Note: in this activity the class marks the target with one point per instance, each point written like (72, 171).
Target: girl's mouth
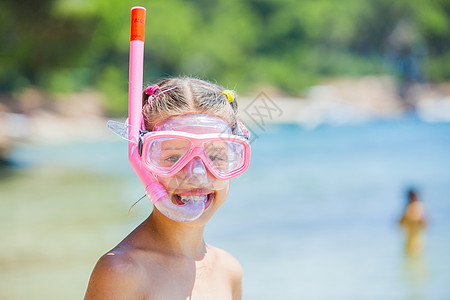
(183, 199)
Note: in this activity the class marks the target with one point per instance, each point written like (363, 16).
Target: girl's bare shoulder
(231, 266)
(123, 273)
(117, 275)
(225, 259)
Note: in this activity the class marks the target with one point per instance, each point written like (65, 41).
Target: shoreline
(81, 116)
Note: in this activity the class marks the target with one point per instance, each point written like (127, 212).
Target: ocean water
(315, 216)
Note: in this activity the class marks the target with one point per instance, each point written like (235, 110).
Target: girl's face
(194, 180)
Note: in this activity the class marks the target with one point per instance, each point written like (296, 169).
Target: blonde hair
(182, 95)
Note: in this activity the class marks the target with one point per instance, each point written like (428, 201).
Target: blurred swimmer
(413, 222)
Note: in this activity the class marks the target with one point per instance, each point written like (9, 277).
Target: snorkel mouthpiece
(189, 211)
(158, 195)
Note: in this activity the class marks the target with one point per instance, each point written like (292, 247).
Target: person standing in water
(413, 222)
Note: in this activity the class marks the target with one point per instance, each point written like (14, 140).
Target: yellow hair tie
(229, 94)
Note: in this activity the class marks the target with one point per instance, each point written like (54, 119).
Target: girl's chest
(195, 282)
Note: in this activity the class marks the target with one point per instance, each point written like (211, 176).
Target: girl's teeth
(186, 199)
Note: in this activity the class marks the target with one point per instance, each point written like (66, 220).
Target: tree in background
(67, 45)
(36, 44)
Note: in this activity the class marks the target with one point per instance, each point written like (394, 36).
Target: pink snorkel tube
(155, 191)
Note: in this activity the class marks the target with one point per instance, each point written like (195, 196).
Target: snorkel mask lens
(223, 155)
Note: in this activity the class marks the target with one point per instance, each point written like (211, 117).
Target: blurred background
(349, 106)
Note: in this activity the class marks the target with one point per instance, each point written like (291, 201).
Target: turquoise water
(315, 217)
(317, 212)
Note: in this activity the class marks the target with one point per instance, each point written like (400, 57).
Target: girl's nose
(196, 168)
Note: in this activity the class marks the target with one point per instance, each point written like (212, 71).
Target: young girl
(191, 143)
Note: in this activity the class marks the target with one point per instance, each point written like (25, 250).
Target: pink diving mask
(174, 142)
(185, 159)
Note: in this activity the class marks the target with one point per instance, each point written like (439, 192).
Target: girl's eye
(218, 158)
(173, 158)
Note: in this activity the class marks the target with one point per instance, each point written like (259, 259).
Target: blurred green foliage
(68, 45)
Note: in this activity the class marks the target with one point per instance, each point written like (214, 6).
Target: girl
(190, 144)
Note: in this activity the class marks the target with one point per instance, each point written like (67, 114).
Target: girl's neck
(176, 238)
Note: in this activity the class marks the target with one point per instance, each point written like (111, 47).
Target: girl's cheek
(223, 194)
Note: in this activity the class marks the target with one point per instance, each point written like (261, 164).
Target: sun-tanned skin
(164, 259)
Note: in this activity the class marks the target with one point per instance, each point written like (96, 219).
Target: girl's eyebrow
(174, 148)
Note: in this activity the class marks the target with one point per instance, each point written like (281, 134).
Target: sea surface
(315, 216)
